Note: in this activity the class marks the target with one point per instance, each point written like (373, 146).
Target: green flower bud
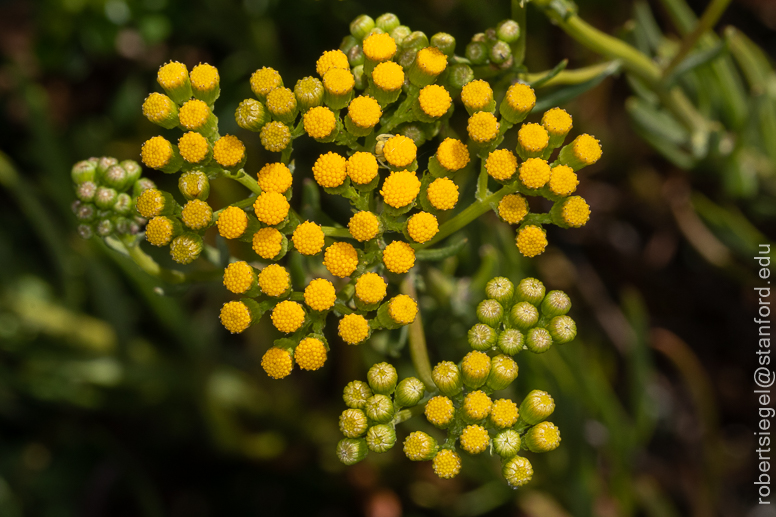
(124, 204)
(103, 164)
(352, 423)
(409, 392)
(355, 56)
(500, 289)
(562, 329)
(379, 408)
(116, 177)
(444, 42)
(538, 340)
(356, 394)
(482, 337)
(252, 115)
(387, 22)
(477, 53)
(105, 198)
(83, 171)
(419, 446)
(361, 26)
(475, 368)
(543, 437)
(457, 76)
(380, 438)
(447, 378)
(507, 443)
(536, 407)
(414, 132)
(194, 185)
(503, 371)
(141, 186)
(405, 57)
(84, 212)
(124, 226)
(348, 42)
(511, 341)
(415, 41)
(359, 77)
(86, 191)
(104, 228)
(85, 231)
(186, 248)
(530, 290)
(524, 315)
(133, 169)
(556, 303)
(400, 33)
(508, 31)
(382, 378)
(517, 471)
(351, 450)
(309, 93)
(490, 312)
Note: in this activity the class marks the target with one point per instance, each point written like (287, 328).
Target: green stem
(150, 266)
(399, 115)
(330, 231)
(285, 156)
(243, 203)
(243, 179)
(482, 183)
(709, 18)
(578, 76)
(518, 14)
(417, 339)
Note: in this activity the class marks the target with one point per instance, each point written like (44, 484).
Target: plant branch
(709, 18)
(417, 338)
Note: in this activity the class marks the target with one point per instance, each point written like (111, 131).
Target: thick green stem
(710, 17)
(150, 266)
(330, 231)
(243, 179)
(417, 339)
(578, 76)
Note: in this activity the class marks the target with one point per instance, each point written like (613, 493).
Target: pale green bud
(380, 438)
(542, 437)
(82, 171)
(556, 303)
(507, 443)
(387, 22)
(490, 312)
(400, 33)
(379, 408)
(251, 115)
(361, 26)
(503, 370)
(352, 423)
(409, 392)
(116, 177)
(415, 41)
(351, 450)
(508, 31)
(562, 329)
(444, 42)
(124, 204)
(538, 340)
(105, 198)
(500, 53)
(477, 53)
(500, 289)
(104, 228)
(530, 290)
(356, 394)
(86, 191)
(194, 185)
(482, 336)
(517, 471)
(511, 341)
(382, 378)
(524, 315)
(536, 407)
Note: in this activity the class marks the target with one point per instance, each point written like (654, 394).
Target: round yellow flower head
(364, 111)
(330, 170)
(477, 405)
(331, 59)
(400, 188)
(422, 227)
(587, 149)
(398, 257)
(277, 362)
(476, 95)
(388, 76)
(150, 203)
(447, 464)
(157, 107)
(362, 168)
(353, 423)
(271, 208)
(520, 97)
(341, 259)
(228, 151)
(274, 280)
(434, 100)
(156, 152)
(194, 114)
(371, 288)
(575, 211)
(400, 151)
(534, 173)
(193, 147)
(320, 294)
(439, 411)
(531, 241)
(402, 309)
(379, 47)
(443, 194)
(338, 81)
(482, 127)
(363, 226)
(310, 354)
(513, 208)
(238, 277)
(287, 316)
(353, 329)
(563, 180)
(172, 75)
(184, 249)
(452, 154)
(204, 77)
(267, 243)
(533, 137)
(159, 231)
(556, 121)
(235, 317)
(275, 136)
(319, 122)
(431, 60)
(517, 471)
(474, 439)
(197, 214)
(476, 365)
(419, 446)
(232, 222)
(264, 80)
(504, 413)
(281, 101)
(501, 164)
(308, 238)
(543, 437)
(274, 177)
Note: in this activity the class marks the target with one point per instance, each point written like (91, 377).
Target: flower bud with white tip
(382, 378)
(524, 315)
(352, 423)
(352, 450)
(356, 393)
(507, 443)
(490, 312)
(482, 337)
(562, 329)
(556, 303)
(503, 370)
(511, 341)
(536, 407)
(530, 290)
(517, 471)
(409, 392)
(379, 408)
(380, 438)
(538, 340)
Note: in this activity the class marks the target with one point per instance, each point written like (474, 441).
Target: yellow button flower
(476, 405)
(422, 227)
(172, 75)
(371, 288)
(364, 111)
(204, 77)
(275, 136)
(156, 152)
(238, 277)
(476, 95)
(482, 127)
(235, 317)
(400, 188)
(587, 149)
(267, 243)
(520, 97)
(575, 211)
(331, 59)
(193, 147)
(501, 164)
(310, 354)
(197, 214)
(474, 439)
(363, 226)
(563, 180)
(531, 241)
(158, 108)
(443, 194)
(434, 100)
(308, 238)
(504, 413)
(341, 259)
(159, 231)
(320, 294)
(228, 151)
(557, 121)
(439, 411)
(330, 170)
(274, 280)
(533, 138)
(319, 122)
(353, 329)
(513, 208)
(194, 114)
(388, 76)
(281, 101)
(402, 309)
(379, 47)
(534, 173)
(338, 81)
(264, 80)
(431, 60)
(232, 222)
(274, 177)
(447, 464)
(271, 208)
(400, 151)
(452, 154)
(287, 316)
(398, 257)
(150, 203)
(362, 168)
(277, 362)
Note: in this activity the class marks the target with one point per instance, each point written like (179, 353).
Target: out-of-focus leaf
(695, 60)
(566, 93)
(646, 25)
(538, 83)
